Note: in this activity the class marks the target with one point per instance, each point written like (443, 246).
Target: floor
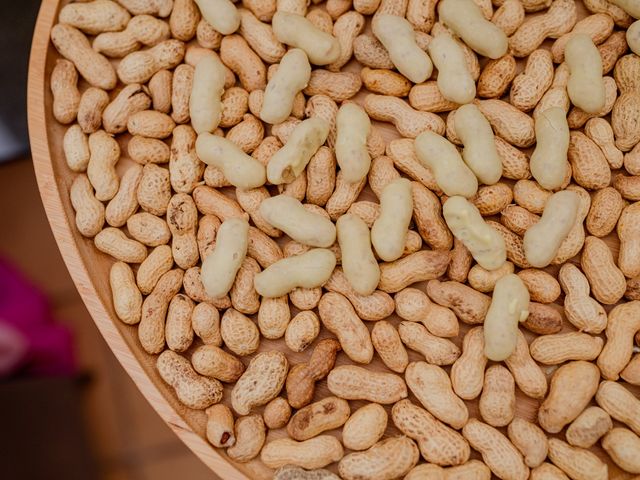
(129, 439)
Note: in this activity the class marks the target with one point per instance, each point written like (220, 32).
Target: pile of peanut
(222, 158)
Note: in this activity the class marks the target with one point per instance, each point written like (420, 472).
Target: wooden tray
(89, 269)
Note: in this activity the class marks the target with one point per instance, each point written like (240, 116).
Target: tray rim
(61, 228)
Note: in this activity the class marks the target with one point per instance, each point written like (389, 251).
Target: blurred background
(67, 408)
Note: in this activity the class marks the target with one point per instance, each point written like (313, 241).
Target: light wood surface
(89, 269)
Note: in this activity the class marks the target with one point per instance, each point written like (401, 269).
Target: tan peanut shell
(497, 451)
(250, 437)
(530, 440)
(219, 430)
(301, 380)
(390, 458)
(318, 417)
(526, 372)
(310, 454)
(261, 382)
(127, 299)
(589, 427)
(576, 462)
(497, 403)
(432, 387)
(436, 350)
(277, 413)
(388, 345)
(356, 383)
(212, 361)
(364, 427)
(578, 377)
(438, 443)
(193, 390)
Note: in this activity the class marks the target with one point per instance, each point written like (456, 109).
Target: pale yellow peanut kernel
(358, 262)
(301, 224)
(441, 157)
(398, 38)
(220, 14)
(455, 81)
(220, 267)
(542, 240)
(389, 231)
(485, 244)
(298, 32)
(629, 6)
(549, 160)
(304, 141)
(466, 19)
(479, 153)
(509, 307)
(205, 106)
(585, 87)
(352, 129)
(285, 275)
(292, 76)
(240, 169)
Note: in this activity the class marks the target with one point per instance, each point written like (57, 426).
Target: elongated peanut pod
(296, 31)
(292, 76)
(480, 153)
(358, 263)
(542, 240)
(455, 81)
(586, 85)
(222, 15)
(630, 6)
(509, 307)
(465, 18)
(352, 130)
(389, 231)
(302, 225)
(442, 158)
(205, 104)
(314, 453)
(308, 270)
(305, 140)
(485, 244)
(220, 267)
(242, 170)
(398, 37)
(549, 160)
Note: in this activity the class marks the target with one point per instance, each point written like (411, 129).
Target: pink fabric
(31, 343)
